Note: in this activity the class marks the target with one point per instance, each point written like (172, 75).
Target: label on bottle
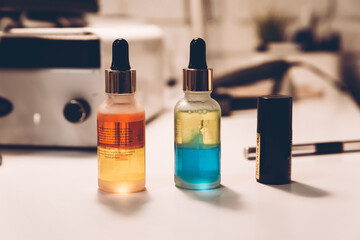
(120, 154)
(189, 126)
(258, 156)
(207, 127)
(121, 164)
(178, 130)
(124, 135)
(121, 151)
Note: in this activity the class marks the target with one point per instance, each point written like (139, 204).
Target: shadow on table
(222, 197)
(302, 190)
(125, 204)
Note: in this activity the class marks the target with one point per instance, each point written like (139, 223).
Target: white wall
(230, 23)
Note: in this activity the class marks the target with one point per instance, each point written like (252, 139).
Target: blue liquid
(197, 168)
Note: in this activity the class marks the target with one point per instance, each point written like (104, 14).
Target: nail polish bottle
(197, 126)
(121, 128)
(274, 139)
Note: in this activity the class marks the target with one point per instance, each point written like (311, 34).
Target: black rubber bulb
(120, 55)
(197, 54)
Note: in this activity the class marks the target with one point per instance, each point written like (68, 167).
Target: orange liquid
(121, 152)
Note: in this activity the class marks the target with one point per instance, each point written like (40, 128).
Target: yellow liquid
(121, 170)
(189, 125)
(121, 152)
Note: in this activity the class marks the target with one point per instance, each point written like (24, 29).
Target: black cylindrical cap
(197, 54)
(120, 55)
(274, 127)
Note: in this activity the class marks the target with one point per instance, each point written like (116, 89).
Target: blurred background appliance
(244, 42)
(52, 79)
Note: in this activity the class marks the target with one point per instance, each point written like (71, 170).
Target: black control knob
(5, 107)
(76, 110)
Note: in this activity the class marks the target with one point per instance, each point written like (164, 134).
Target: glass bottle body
(197, 141)
(121, 144)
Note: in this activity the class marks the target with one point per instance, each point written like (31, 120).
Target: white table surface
(53, 194)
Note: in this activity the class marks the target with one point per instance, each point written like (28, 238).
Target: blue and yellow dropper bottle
(197, 126)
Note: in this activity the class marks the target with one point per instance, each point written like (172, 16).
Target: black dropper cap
(120, 55)
(197, 54)
(120, 78)
(197, 77)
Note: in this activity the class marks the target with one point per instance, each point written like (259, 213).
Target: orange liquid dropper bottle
(121, 128)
